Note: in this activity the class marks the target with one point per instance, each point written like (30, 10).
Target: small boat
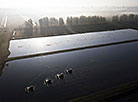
(59, 76)
(30, 88)
(48, 82)
(68, 71)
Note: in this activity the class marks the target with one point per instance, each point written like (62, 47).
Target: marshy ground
(4, 45)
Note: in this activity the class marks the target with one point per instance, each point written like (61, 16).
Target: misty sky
(36, 9)
(64, 3)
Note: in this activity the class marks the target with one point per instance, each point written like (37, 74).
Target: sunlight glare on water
(48, 44)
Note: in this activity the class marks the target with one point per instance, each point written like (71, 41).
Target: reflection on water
(48, 44)
(93, 70)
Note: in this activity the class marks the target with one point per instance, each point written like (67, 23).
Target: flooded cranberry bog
(94, 68)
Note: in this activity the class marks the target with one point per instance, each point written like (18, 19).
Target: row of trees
(70, 21)
(45, 22)
(85, 20)
(30, 27)
(131, 18)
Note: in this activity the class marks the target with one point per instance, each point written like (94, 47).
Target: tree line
(53, 25)
(131, 18)
(45, 22)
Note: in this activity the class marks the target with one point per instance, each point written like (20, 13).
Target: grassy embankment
(4, 46)
(112, 94)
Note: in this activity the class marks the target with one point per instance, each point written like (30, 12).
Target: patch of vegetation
(4, 48)
(4, 45)
(2, 38)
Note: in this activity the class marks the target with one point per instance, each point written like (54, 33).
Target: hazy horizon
(64, 8)
(52, 4)
(19, 10)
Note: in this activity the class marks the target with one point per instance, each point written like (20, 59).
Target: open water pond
(93, 69)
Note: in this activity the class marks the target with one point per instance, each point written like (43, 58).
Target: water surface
(93, 70)
(48, 44)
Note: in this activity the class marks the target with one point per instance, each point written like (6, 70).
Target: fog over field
(17, 16)
(36, 9)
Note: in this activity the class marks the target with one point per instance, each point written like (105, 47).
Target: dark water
(93, 70)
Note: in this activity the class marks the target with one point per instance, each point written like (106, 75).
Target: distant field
(2, 38)
(4, 45)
